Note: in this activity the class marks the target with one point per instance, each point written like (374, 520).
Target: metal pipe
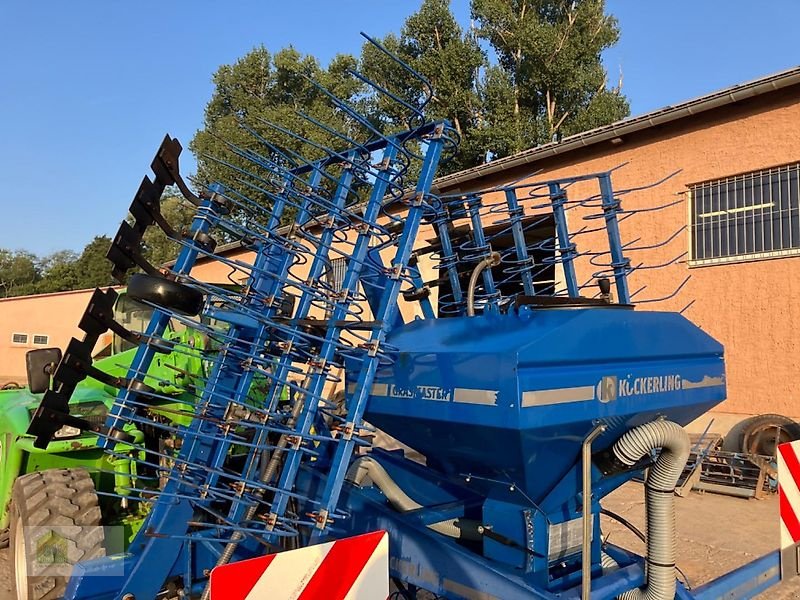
(565, 247)
(586, 544)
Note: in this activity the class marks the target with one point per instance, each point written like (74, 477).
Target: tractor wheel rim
(765, 440)
(21, 562)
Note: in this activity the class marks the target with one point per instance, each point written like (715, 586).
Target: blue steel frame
(422, 559)
(175, 543)
(165, 548)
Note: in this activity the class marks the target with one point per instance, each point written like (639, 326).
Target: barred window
(19, 338)
(40, 339)
(754, 215)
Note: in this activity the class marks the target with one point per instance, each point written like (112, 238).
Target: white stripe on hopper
(475, 396)
(558, 396)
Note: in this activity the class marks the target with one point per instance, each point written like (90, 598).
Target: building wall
(54, 315)
(749, 306)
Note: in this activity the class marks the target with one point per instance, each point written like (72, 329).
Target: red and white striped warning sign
(355, 568)
(789, 493)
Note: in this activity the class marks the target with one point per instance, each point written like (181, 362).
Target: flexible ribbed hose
(490, 261)
(659, 501)
(608, 563)
(368, 468)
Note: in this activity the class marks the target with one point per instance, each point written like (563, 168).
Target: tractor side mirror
(41, 364)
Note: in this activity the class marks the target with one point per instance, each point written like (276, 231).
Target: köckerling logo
(649, 385)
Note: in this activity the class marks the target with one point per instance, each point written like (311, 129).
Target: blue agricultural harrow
(519, 372)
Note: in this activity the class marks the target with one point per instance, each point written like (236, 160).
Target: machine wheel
(55, 523)
(167, 293)
(762, 434)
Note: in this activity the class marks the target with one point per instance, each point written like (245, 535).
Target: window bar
(791, 242)
(693, 222)
(761, 205)
(721, 213)
(735, 224)
(733, 243)
(705, 223)
(751, 214)
(780, 212)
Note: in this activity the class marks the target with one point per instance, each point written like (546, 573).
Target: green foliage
(554, 82)
(527, 73)
(92, 266)
(65, 270)
(435, 45)
(19, 273)
(22, 273)
(59, 272)
(258, 92)
(158, 248)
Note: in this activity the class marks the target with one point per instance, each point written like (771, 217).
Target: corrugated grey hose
(490, 261)
(659, 499)
(365, 468)
(608, 563)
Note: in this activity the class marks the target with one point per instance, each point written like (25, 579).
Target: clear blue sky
(88, 88)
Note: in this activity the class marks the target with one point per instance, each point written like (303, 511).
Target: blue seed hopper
(510, 397)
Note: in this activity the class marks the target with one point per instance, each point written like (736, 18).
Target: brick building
(40, 321)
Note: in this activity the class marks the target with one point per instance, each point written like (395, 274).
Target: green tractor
(83, 498)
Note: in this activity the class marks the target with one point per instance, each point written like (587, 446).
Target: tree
(59, 273)
(93, 268)
(551, 80)
(19, 273)
(262, 93)
(543, 79)
(65, 270)
(434, 44)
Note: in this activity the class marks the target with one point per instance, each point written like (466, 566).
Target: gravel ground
(5, 576)
(715, 534)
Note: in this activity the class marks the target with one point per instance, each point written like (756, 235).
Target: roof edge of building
(62, 293)
(729, 95)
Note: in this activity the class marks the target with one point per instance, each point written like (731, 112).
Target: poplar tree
(433, 43)
(550, 80)
(261, 91)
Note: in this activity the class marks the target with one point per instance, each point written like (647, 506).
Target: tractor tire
(164, 292)
(55, 523)
(759, 434)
